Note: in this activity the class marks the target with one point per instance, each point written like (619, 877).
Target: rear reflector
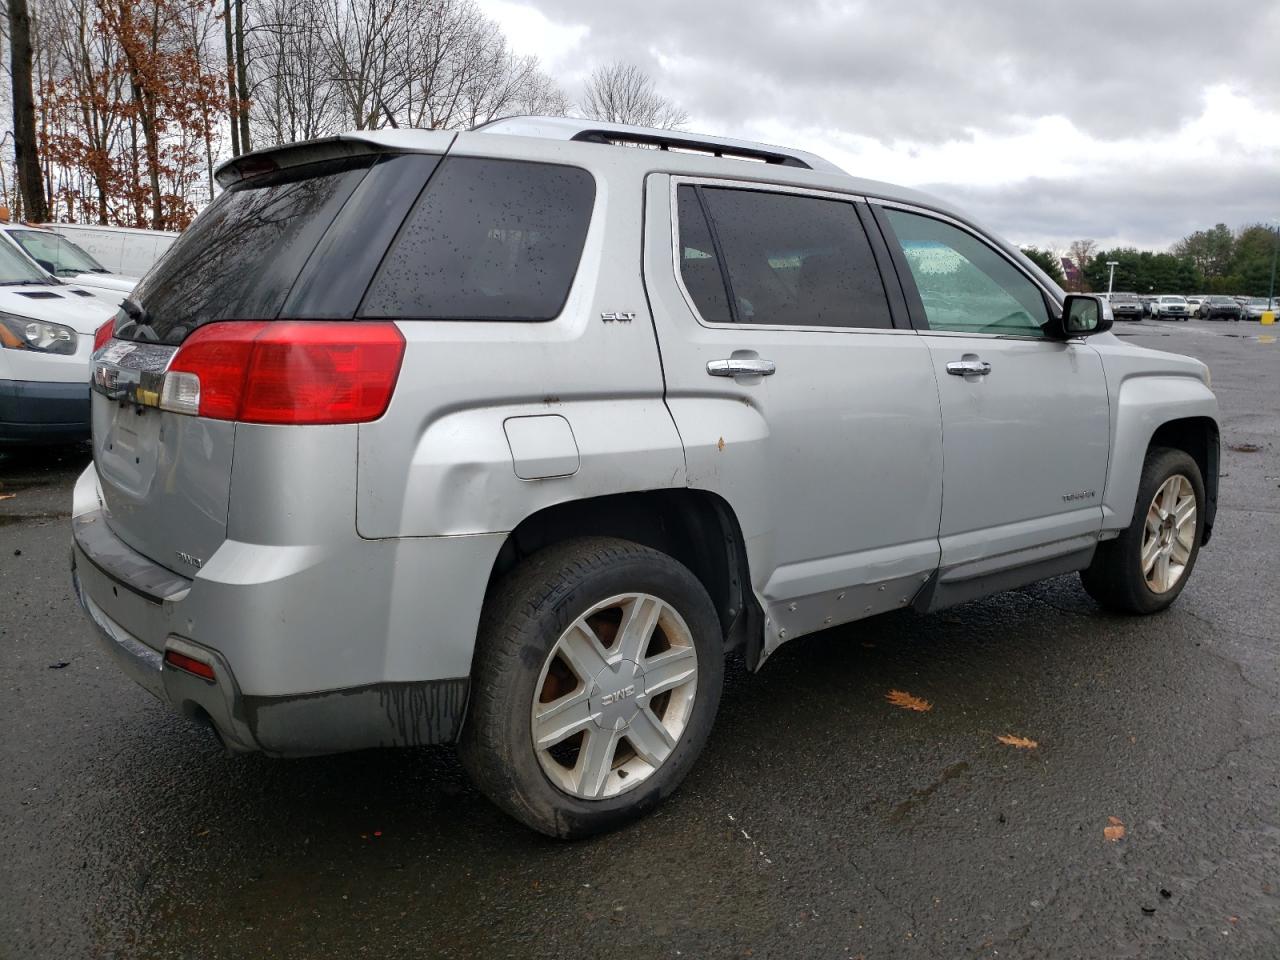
(190, 665)
(103, 334)
(290, 372)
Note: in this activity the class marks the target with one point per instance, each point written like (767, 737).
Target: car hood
(104, 281)
(83, 314)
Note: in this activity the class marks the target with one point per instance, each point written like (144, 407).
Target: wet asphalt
(821, 821)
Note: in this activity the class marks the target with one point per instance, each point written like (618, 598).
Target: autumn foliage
(129, 112)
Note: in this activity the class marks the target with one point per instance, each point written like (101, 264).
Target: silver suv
(508, 437)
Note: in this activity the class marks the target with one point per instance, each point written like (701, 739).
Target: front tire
(596, 680)
(1145, 569)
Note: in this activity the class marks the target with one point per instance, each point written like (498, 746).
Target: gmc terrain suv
(507, 437)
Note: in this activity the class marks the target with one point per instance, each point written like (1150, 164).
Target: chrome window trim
(996, 248)
(755, 186)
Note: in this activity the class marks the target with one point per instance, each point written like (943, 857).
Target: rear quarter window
(487, 240)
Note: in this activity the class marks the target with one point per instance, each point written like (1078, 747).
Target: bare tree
(294, 96)
(1081, 251)
(623, 93)
(25, 148)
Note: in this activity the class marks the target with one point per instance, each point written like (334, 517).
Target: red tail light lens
(180, 661)
(290, 372)
(103, 334)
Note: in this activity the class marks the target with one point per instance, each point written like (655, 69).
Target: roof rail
(592, 131)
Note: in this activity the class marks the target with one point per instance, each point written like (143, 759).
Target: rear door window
(487, 240)
(791, 259)
(699, 264)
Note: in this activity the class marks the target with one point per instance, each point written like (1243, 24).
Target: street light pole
(1111, 278)
(1275, 249)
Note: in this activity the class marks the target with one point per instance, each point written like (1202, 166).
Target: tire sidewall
(544, 804)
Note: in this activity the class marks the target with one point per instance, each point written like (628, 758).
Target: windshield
(56, 254)
(1172, 300)
(16, 269)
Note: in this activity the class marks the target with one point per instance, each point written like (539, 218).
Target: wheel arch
(1198, 437)
(1160, 400)
(696, 527)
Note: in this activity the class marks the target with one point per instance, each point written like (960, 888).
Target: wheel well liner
(1197, 436)
(695, 527)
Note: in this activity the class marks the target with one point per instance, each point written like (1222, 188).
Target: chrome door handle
(967, 368)
(738, 367)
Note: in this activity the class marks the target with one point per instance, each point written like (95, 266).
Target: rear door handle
(741, 366)
(968, 368)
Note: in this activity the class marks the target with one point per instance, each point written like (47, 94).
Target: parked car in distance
(46, 336)
(1148, 303)
(59, 256)
(1127, 306)
(1169, 307)
(1254, 307)
(1193, 303)
(333, 504)
(121, 250)
(1219, 308)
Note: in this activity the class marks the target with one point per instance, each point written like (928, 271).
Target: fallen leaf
(1022, 743)
(900, 698)
(7, 496)
(720, 444)
(1115, 830)
(59, 664)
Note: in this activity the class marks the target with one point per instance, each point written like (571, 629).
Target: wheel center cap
(616, 694)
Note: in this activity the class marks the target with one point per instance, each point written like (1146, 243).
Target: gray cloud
(1147, 211)
(915, 73)
(928, 70)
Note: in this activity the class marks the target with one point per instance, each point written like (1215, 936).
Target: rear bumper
(290, 725)
(282, 685)
(39, 412)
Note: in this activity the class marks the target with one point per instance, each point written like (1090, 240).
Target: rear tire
(1124, 577)
(595, 636)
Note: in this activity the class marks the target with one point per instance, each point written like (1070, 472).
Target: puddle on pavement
(918, 797)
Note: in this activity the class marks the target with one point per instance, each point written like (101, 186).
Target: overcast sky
(1128, 121)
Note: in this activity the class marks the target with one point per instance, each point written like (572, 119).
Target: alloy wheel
(1169, 534)
(614, 696)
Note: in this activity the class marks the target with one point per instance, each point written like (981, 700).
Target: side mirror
(1083, 315)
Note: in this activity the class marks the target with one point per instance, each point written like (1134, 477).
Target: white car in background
(47, 331)
(65, 260)
(1168, 307)
(122, 250)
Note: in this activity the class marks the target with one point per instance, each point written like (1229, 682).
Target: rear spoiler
(354, 144)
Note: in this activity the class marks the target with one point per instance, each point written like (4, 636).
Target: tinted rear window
(240, 258)
(487, 240)
(796, 260)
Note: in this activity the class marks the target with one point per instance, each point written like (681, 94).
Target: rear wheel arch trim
(697, 527)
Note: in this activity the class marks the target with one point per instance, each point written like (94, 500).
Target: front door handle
(968, 367)
(741, 366)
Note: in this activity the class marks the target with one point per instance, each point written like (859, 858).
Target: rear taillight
(103, 334)
(180, 661)
(294, 372)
